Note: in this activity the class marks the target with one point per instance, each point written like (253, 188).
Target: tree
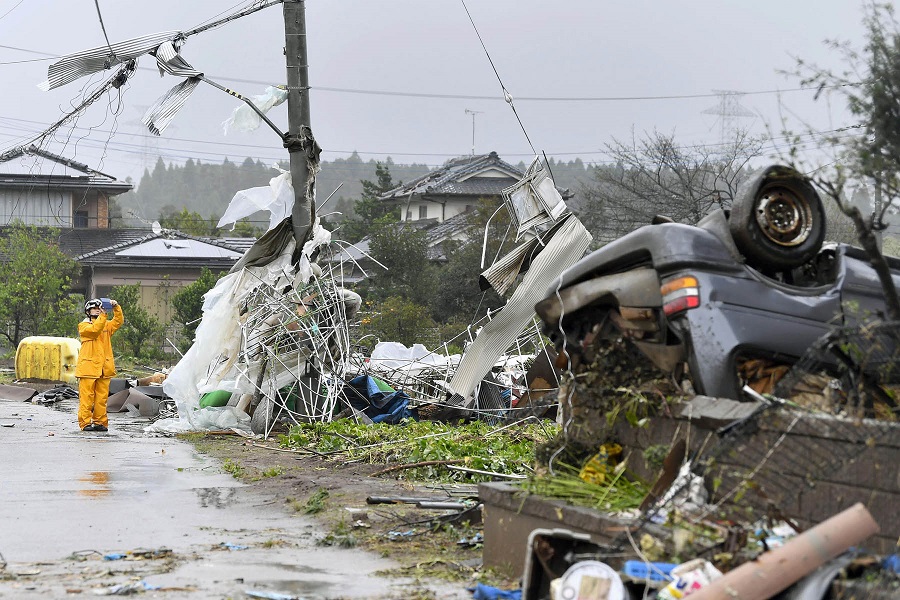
(369, 209)
(655, 176)
(403, 250)
(142, 335)
(459, 297)
(188, 304)
(397, 319)
(869, 83)
(35, 280)
(190, 223)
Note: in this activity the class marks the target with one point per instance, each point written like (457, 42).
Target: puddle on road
(308, 576)
(100, 481)
(216, 497)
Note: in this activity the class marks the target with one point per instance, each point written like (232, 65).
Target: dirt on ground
(358, 506)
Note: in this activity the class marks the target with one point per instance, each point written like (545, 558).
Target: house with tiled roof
(453, 189)
(442, 203)
(40, 188)
(160, 262)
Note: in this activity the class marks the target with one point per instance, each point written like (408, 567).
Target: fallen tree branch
(426, 463)
(297, 451)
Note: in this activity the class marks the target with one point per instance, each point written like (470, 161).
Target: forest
(204, 190)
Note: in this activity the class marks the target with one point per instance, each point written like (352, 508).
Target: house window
(81, 218)
(423, 211)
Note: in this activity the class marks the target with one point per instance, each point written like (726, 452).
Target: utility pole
(299, 141)
(473, 113)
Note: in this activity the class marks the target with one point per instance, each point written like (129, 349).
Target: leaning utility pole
(299, 140)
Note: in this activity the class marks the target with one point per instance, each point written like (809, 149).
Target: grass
(341, 536)
(236, 469)
(475, 445)
(616, 494)
(316, 503)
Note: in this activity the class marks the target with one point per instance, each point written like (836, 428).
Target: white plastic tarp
(394, 357)
(277, 198)
(245, 119)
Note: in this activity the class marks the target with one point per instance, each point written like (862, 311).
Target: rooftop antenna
(473, 113)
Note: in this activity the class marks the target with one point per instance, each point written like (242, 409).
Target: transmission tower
(728, 110)
(150, 152)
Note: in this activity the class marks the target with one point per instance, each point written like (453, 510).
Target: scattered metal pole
(299, 140)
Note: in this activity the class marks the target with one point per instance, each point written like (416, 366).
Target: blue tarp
(380, 403)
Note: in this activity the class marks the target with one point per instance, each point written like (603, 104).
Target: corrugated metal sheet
(502, 274)
(566, 246)
(169, 61)
(158, 116)
(36, 207)
(73, 66)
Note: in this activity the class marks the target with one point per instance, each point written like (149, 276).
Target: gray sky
(566, 49)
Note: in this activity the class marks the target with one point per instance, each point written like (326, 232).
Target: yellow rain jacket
(95, 359)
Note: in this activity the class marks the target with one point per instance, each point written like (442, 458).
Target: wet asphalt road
(64, 491)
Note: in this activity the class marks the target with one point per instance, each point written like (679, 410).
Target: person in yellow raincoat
(95, 363)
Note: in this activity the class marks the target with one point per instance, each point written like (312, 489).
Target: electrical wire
(12, 9)
(112, 55)
(437, 95)
(506, 95)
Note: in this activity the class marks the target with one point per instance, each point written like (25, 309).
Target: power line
(423, 154)
(407, 94)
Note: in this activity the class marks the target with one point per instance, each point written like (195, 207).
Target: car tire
(778, 221)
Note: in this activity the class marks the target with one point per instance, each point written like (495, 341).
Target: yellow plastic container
(47, 358)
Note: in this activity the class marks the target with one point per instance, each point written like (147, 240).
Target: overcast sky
(426, 48)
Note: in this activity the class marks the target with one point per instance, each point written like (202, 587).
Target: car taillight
(680, 294)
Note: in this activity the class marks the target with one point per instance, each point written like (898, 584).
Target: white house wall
(436, 210)
(36, 207)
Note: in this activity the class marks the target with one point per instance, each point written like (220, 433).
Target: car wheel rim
(784, 217)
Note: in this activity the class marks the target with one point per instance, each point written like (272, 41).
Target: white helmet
(94, 303)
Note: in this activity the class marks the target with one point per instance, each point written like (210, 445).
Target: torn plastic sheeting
(381, 403)
(245, 119)
(211, 359)
(77, 65)
(277, 199)
(211, 363)
(228, 418)
(566, 246)
(394, 357)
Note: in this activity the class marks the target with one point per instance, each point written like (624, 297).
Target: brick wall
(102, 211)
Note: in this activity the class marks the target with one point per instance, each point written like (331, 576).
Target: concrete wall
(787, 464)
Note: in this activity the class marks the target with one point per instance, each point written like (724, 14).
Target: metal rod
(249, 102)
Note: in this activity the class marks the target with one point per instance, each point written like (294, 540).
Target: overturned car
(756, 283)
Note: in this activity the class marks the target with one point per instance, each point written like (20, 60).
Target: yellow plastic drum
(47, 358)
